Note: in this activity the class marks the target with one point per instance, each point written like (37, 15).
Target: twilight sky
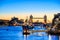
(23, 8)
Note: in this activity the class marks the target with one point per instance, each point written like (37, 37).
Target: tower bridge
(45, 18)
(37, 18)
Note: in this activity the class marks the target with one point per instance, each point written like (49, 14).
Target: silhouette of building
(55, 19)
(4, 22)
(45, 18)
(13, 21)
(21, 21)
(31, 19)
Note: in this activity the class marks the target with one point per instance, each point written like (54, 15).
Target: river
(15, 33)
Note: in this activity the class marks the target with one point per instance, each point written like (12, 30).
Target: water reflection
(53, 37)
(15, 33)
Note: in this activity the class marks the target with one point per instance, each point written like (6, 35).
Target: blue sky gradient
(11, 7)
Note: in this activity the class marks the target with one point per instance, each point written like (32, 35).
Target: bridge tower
(31, 19)
(45, 19)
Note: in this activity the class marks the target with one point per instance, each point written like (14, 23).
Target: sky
(23, 8)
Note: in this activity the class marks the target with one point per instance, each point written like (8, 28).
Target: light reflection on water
(15, 33)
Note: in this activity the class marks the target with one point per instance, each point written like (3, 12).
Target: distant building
(4, 22)
(21, 21)
(45, 18)
(55, 19)
(13, 20)
(31, 17)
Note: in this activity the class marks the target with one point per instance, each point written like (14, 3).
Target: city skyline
(23, 8)
(34, 20)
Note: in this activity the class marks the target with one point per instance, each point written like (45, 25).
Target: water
(15, 33)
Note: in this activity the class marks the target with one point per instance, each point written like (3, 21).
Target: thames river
(15, 33)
